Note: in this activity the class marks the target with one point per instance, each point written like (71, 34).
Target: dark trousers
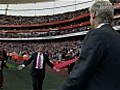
(37, 79)
(70, 67)
(1, 78)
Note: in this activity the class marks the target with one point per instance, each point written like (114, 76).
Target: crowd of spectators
(55, 50)
(18, 20)
(51, 33)
(116, 22)
(115, 1)
(21, 20)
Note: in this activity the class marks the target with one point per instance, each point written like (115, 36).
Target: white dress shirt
(39, 57)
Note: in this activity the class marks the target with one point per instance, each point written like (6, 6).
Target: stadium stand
(18, 29)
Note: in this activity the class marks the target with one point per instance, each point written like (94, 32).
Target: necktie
(38, 63)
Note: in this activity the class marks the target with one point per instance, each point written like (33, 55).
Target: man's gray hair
(103, 10)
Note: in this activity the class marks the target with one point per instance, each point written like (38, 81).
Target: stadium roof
(44, 8)
(33, 1)
(21, 1)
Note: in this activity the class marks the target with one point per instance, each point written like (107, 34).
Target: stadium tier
(49, 27)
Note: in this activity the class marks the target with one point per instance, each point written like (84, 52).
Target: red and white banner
(65, 63)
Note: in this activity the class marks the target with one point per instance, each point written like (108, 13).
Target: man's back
(107, 74)
(99, 64)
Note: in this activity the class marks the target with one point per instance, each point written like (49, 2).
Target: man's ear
(95, 14)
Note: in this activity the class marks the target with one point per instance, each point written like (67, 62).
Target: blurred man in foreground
(99, 64)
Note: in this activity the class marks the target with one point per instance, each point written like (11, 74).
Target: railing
(44, 38)
(50, 37)
(48, 30)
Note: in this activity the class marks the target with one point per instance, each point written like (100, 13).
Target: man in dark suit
(1, 68)
(3, 56)
(99, 65)
(38, 67)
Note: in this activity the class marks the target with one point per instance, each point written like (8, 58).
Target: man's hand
(20, 67)
(57, 70)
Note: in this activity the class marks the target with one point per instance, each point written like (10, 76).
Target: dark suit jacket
(99, 65)
(34, 58)
(3, 57)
